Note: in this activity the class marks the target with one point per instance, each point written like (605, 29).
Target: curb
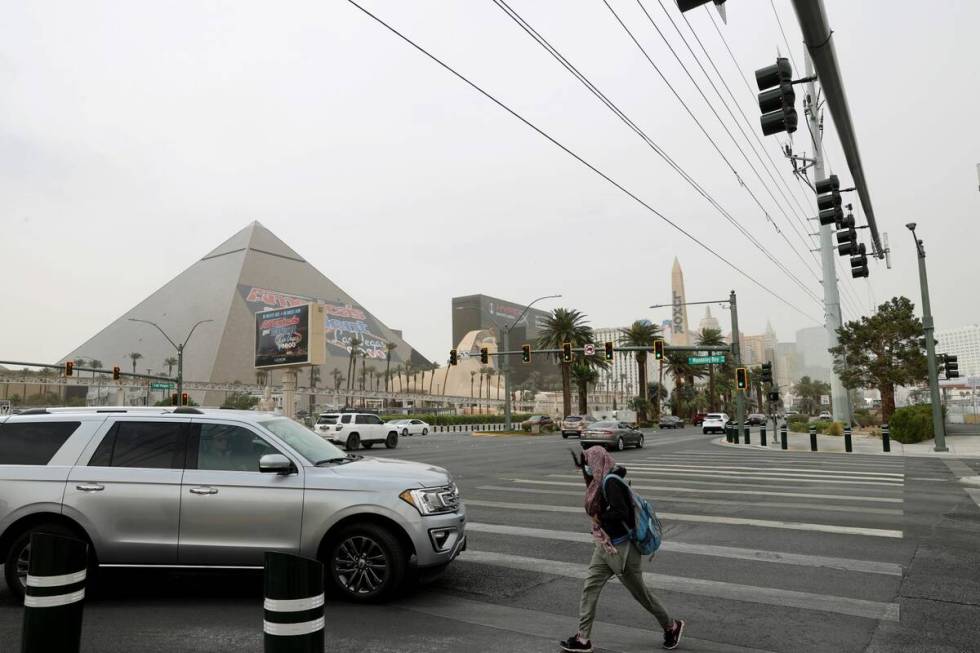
(893, 454)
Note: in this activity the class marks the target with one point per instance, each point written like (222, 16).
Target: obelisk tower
(681, 336)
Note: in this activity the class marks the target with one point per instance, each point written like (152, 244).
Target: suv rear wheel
(18, 557)
(367, 563)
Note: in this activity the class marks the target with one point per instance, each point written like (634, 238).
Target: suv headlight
(432, 500)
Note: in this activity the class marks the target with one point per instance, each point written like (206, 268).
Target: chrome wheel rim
(639, 442)
(23, 564)
(361, 565)
(619, 444)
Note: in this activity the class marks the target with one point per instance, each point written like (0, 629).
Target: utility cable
(581, 160)
(543, 42)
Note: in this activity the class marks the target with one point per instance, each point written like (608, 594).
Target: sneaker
(573, 644)
(672, 637)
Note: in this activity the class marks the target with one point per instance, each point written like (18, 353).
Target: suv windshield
(307, 443)
(327, 419)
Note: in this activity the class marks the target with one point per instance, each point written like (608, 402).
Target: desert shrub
(836, 428)
(912, 424)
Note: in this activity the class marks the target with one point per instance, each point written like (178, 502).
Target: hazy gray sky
(134, 137)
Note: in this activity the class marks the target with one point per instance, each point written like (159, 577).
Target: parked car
(541, 421)
(351, 430)
(714, 423)
(670, 422)
(612, 435)
(205, 488)
(698, 419)
(825, 415)
(410, 426)
(575, 424)
(755, 419)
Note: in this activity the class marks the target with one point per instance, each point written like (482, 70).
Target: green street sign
(717, 359)
(161, 386)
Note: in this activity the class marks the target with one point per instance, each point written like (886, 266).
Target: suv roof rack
(34, 411)
(188, 410)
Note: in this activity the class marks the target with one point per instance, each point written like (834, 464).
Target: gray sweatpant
(602, 567)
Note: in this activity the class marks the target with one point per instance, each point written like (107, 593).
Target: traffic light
(453, 357)
(829, 201)
(69, 368)
(566, 352)
(609, 351)
(774, 396)
(859, 263)
(115, 372)
(173, 399)
(526, 353)
(951, 367)
(777, 98)
(183, 399)
(847, 244)
(658, 349)
(484, 355)
(741, 378)
(847, 222)
(767, 373)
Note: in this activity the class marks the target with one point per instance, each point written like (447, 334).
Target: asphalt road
(764, 550)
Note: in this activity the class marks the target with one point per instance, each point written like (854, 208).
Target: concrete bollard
(886, 439)
(748, 432)
(813, 438)
(762, 435)
(293, 620)
(847, 440)
(783, 437)
(53, 598)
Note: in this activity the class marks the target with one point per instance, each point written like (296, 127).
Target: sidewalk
(960, 446)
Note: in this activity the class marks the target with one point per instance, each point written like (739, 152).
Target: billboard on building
(289, 336)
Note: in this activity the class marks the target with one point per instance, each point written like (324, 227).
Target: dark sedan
(612, 435)
(671, 422)
(756, 419)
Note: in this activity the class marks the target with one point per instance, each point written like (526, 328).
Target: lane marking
(666, 488)
(962, 471)
(764, 469)
(767, 505)
(700, 587)
(803, 476)
(737, 553)
(796, 457)
(710, 519)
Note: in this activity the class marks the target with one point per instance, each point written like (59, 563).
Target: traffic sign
(161, 386)
(714, 359)
(589, 349)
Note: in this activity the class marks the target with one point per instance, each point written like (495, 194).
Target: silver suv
(191, 487)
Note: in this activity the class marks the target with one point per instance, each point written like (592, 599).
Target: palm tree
(338, 378)
(355, 343)
(565, 325)
(170, 361)
(432, 375)
(491, 372)
(472, 378)
(641, 333)
(483, 371)
(711, 338)
(135, 356)
(683, 374)
(583, 375)
(389, 347)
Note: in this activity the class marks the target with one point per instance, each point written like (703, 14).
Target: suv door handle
(204, 490)
(90, 487)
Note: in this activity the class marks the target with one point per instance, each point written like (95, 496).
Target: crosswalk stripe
(818, 507)
(700, 587)
(774, 485)
(710, 519)
(767, 477)
(737, 553)
(834, 472)
(761, 472)
(794, 457)
(709, 491)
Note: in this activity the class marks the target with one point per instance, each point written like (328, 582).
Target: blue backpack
(648, 534)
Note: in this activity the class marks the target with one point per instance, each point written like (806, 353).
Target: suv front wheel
(367, 563)
(391, 441)
(353, 442)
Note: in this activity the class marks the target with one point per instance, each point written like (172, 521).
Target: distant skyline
(126, 154)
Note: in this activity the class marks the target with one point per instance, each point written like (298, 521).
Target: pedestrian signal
(609, 351)
(484, 355)
(526, 353)
(742, 378)
(566, 352)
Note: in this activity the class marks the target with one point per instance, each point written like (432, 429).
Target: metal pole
(831, 294)
(180, 374)
(737, 355)
(505, 369)
(927, 326)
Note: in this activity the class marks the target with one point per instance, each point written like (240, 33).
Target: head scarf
(601, 463)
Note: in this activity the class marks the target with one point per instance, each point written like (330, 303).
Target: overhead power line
(543, 42)
(581, 160)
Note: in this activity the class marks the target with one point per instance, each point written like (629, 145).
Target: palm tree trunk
(566, 389)
(711, 389)
(641, 363)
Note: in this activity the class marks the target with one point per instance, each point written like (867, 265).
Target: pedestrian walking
(610, 506)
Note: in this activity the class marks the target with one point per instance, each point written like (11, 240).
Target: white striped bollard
(54, 593)
(886, 442)
(293, 604)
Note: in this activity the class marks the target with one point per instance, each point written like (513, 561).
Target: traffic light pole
(938, 426)
(831, 295)
(737, 356)
(505, 368)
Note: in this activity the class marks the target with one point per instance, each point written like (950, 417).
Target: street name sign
(161, 386)
(714, 359)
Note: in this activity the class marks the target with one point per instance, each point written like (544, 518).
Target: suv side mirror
(275, 463)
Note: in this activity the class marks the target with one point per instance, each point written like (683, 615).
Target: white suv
(714, 422)
(351, 430)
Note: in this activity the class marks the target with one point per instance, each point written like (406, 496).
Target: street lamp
(938, 426)
(179, 348)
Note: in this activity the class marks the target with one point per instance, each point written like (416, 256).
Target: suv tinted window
(345, 419)
(227, 447)
(327, 419)
(158, 445)
(33, 443)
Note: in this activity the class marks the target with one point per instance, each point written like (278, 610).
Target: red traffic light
(69, 368)
(184, 399)
(115, 373)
